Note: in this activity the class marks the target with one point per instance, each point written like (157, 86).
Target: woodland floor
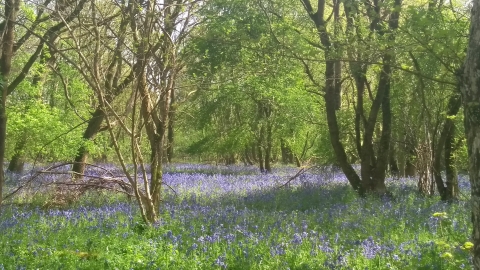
(236, 218)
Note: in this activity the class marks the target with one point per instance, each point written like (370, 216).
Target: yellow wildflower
(447, 255)
(440, 215)
(467, 246)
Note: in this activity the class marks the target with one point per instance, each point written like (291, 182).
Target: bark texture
(7, 43)
(471, 103)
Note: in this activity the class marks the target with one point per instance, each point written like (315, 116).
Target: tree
(373, 163)
(432, 41)
(10, 45)
(155, 31)
(471, 102)
(249, 98)
(7, 43)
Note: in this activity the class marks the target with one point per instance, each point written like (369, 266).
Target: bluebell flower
(297, 239)
(370, 248)
(220, 261)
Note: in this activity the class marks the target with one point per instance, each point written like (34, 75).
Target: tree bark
(471, 102)
(7, 43)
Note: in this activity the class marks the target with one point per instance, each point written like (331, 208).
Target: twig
(176, 194)
(300, 172)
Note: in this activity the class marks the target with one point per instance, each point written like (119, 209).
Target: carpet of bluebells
(236, 218)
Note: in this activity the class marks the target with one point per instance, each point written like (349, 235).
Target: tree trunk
(93, 127)
(384, 147)
(287, 153)
(260, 152)
(253, 150)
(3, 138)
(445, 143)
(372, 174)
(230, 159)
(471, 101)
(410, 156)
(392, 160)
(248, 161)
(170, 130)
(426, 180)
(284, 151)
(450, 169)
(7, 42)
(330, 105)
(410, 168)
(268, 147)
(17, 162)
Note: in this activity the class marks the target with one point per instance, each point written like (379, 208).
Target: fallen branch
(300, 172)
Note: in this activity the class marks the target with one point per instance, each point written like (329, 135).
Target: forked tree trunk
(471, 102)
(331, 91)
